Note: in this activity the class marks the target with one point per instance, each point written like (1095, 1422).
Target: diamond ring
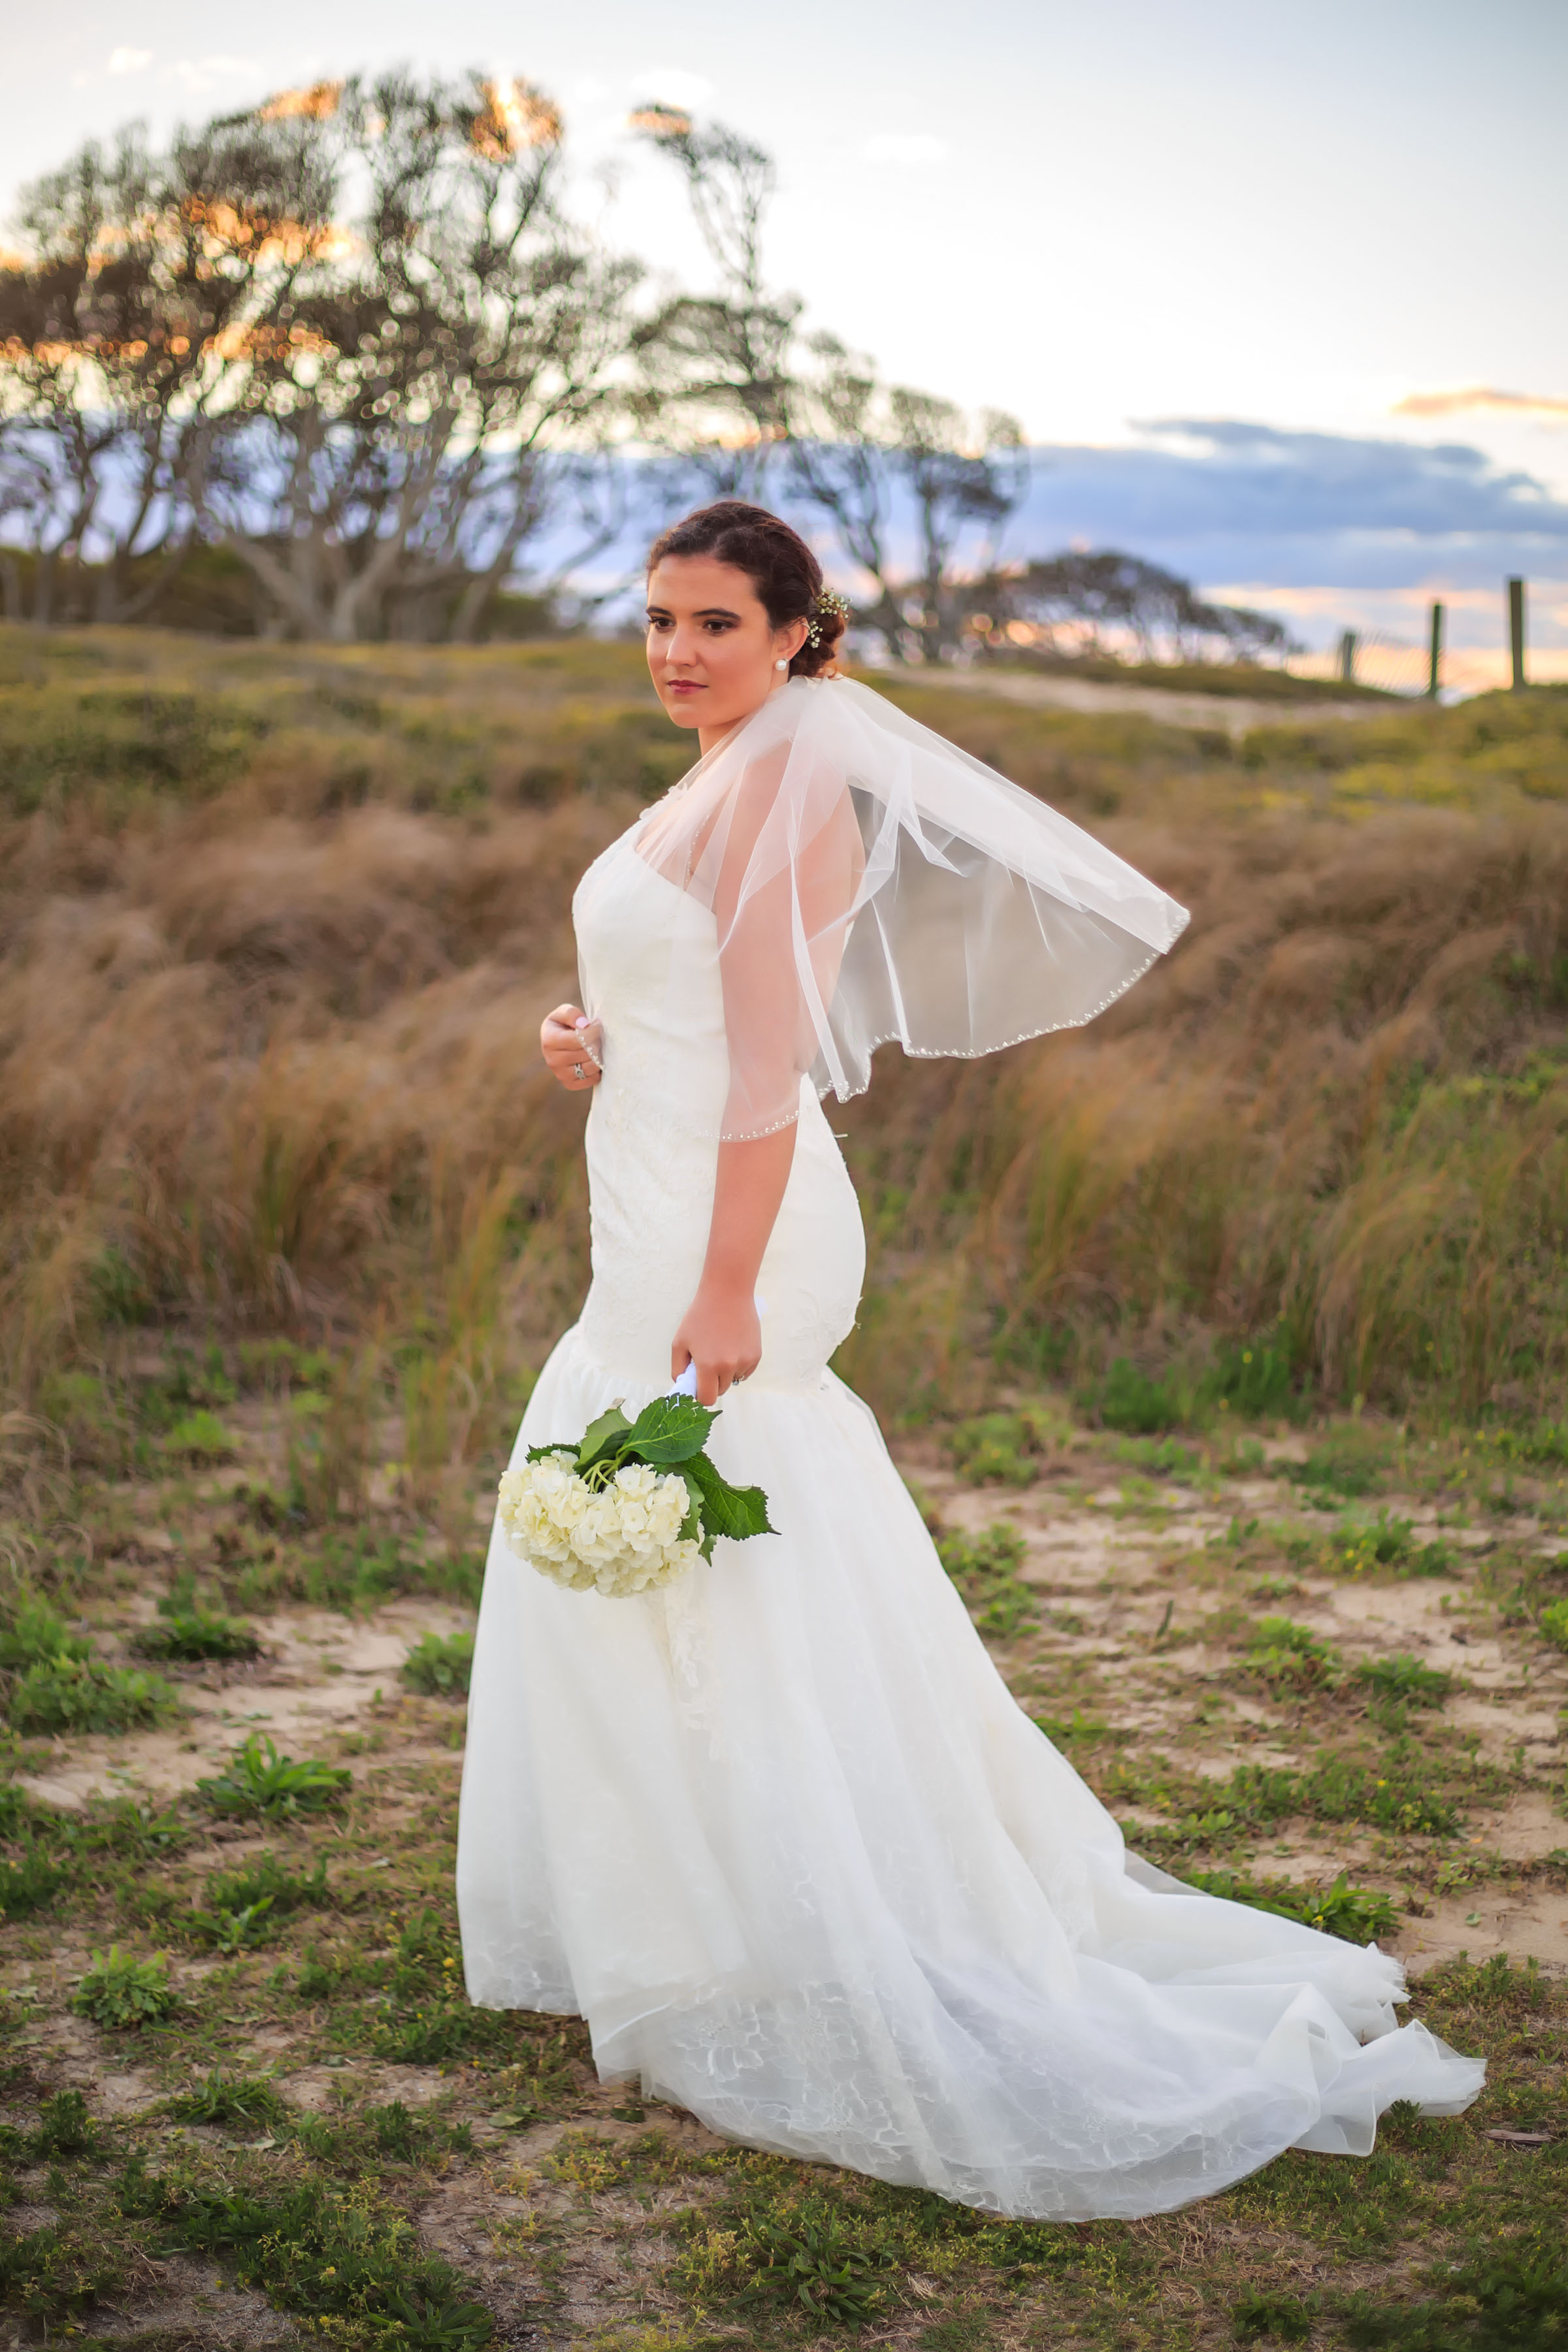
(578, 1071)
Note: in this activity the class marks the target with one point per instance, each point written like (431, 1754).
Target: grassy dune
(1224, 1343)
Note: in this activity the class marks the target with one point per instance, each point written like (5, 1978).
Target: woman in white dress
(777, 1831)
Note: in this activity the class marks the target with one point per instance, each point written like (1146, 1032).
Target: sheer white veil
(870, 881)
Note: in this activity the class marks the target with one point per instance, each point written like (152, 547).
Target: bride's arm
(719, 1332)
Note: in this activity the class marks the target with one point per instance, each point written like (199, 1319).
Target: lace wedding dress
(779, 1832)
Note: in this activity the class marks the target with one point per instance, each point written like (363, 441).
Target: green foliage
(336, 2261)
(1005, 1447)
(1256, 1376)
(1129, 1400)
(814, 2263)
(1349, 1461)
(985, 1569)
(1356, 1914)
(65, 2128)
(265, 1879)
(440, 1664)
(29, 1881)
(1287, 1655)
(121, 1991)
(230, 1930)
(70, 1693)
(1553, 1623)
(35, 1634)
(1404, 1678)
(1508, 2297)
(185, 1630)
(1265, 2313)
(221, 2098)
(259, 1781)
(669, 1436)
(201, 1437)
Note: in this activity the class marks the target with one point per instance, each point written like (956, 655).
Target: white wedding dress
(779, 1831)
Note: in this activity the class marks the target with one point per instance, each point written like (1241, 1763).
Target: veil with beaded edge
(871, 881)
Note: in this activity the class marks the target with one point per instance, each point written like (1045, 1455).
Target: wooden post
(1435, 658)
(1347, 656)
(1516, 630)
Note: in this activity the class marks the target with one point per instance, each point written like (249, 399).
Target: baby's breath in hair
(826, 605)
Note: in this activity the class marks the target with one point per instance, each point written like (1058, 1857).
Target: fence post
(1347, 656)
(1435, 658)
(1516, 630)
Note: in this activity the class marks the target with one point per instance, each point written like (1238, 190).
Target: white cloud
(904, 147)
(198, 74)
(669, 86)
(128, 61)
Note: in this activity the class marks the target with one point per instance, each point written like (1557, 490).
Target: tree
(351, 334)
(402, 424)
(716, 379)
(1101, 599)
(118, 329)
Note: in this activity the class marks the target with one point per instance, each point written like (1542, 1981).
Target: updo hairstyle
(777, 562)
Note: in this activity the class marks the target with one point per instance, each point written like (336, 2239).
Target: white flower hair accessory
(827, 604)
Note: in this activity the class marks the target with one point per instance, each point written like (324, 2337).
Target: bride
(777, 1830)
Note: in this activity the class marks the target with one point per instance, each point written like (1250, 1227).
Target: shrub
(119, 1990)
(440, 1664)
(1553, 1623)
(74, 1693)
(257, 1780)
(1006, 1447)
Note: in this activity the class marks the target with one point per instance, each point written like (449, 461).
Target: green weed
(35, 1634)
(259, 1781)
(65, 2128)
(200, 1437)
(1287, 1654)
(75, 1693)
(983, 1571)
(1129, 1400)
(439, 1665)
(192, 1634)
(221, 2098)
(1552, 1623)
(265, 1879)
(121, 1991)
(1356, 1914)
(229, 1930)
(1509, 2297)
(1264, 2311)
(1404, 1678)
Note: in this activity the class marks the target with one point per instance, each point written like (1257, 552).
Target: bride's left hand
(720, 1333)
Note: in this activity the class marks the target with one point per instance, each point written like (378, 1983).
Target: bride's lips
(684, 686)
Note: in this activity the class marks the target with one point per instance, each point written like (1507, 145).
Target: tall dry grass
(278, 925)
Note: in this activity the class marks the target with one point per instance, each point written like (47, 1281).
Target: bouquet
(633, 1504)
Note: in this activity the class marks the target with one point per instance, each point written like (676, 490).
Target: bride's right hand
(572, 1045)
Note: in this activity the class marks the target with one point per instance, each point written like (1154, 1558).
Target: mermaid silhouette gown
(779, 1832)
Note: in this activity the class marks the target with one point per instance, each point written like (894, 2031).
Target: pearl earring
(781, 664)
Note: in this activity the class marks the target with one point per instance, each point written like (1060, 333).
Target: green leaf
(734, 1511)
(602, 1436)
(691, 1527)
(670, 1430)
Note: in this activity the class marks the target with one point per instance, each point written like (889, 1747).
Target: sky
(1276, 292)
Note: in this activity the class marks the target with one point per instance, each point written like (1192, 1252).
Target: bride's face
(712, 651)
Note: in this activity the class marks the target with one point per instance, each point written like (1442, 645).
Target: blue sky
(1284, 223)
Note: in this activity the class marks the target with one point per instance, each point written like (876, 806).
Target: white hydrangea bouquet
(633, 1506)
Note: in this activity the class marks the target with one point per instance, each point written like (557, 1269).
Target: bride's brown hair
(777, 562)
